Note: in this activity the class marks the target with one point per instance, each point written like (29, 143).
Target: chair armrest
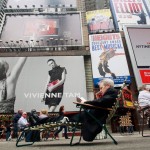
(89, 106)
(144, 108)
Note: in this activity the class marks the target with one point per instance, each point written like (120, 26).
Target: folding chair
(86, 107)
(112, 112)
(145, 117)
(29, 132)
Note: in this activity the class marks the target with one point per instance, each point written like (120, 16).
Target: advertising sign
(140, 46)
(127, 98)
(99, 21)
(37, 84)
(128, 12)
(45, 27)
(145, 76)
(41, 27)
(38, 3)
(138, 43)
(108, 58)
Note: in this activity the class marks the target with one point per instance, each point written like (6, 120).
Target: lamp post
(71, 41)
(1, 42)
(38, 43)
(66, 41)
(9, 46)
(28, 45)
(42, 42)
(47, 42)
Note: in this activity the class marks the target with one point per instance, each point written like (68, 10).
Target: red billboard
(145, 76)
(41, 27)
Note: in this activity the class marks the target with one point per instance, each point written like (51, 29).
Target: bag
(64, 119)
(89, 130)
(34, 119)
(32, 136)
(51, 84)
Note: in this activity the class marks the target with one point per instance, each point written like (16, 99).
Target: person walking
(62, 117)
(15, 122)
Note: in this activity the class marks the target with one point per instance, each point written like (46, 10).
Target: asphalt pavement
(125, 142)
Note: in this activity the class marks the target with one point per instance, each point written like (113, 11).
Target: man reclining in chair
(35, 119)
(108, 97)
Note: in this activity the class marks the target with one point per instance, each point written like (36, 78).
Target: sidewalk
(130, 142)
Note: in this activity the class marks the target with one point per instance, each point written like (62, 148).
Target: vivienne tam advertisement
(41, 83)
(108, 58)
(128, 12)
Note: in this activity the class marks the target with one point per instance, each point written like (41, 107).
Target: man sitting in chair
(144, 100)
(144, 96)
(107, 99)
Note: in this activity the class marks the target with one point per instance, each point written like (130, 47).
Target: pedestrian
(8, 131)
(62, 117)
(15, 122)
(2, 131)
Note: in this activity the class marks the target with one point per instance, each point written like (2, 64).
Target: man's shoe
(55, 137)
(67, 138)
(9, 139)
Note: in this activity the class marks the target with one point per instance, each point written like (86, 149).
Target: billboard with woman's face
(36, 76)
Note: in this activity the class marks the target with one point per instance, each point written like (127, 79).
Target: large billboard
(99, 21)
(108, 58)
(58, 29)
(128, 12)
(140, 46)
(38, 3)
(138, 43)
(33, 87)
